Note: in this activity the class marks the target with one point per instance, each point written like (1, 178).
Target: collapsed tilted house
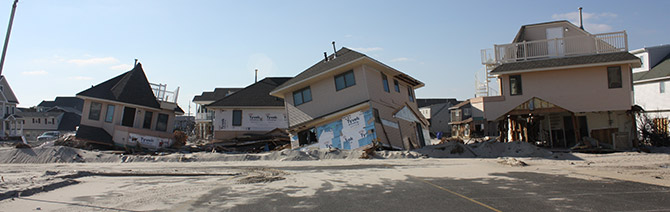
(349, 100)
(129, 111)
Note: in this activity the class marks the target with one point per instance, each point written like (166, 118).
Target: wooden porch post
(575, 126)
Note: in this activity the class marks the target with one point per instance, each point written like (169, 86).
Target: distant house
(204, 117)
(249, 111)
(129, 111)
(560, 83)
(11, 125)
(349, 100)
(436, 111)
(651, 81)
(63, 114)
(63, 102)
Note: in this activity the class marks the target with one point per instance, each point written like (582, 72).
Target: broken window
(345, 80)
(396, 86)
(148, 115)
(237, 118)
(515, 85)
(385, 83)
(94, 111)
(109, 116)
(161, 124)
(614, 77)
(302, 96)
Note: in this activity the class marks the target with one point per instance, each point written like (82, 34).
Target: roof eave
(635, 63)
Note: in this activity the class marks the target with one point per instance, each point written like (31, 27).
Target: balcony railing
(204, 116)
(558, 47)
(162, 94)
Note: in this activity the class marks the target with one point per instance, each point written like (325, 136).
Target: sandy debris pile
(509, 149)
(452, 149)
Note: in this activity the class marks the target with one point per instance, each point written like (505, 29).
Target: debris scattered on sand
(511, 162)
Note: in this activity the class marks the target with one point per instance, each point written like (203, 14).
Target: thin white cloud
(35, 73)
(121, 67)
(94, 61)
(400, 59)
(371, 49)
(81, 78)
(592, 21)
(348, 36)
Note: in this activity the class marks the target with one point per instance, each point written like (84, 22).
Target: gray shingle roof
(344, 55)
(90, 133)
(217, 94)
(257, 94)
(662, 69)
(563, 61)
(130, 87)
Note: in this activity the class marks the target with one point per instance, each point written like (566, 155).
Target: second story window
(94, 111)
(396, 86)
(614, 77)
(345, 80)
(302, 96)
(515, 85)
(661, 87)
(410, 93)
(385, 83)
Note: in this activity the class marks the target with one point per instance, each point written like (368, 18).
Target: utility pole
(9, 31)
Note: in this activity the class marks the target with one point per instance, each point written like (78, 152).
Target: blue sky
(59, 48)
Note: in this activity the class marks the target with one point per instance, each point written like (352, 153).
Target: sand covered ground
(84, 179)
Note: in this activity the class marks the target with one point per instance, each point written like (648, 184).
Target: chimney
(334, 51)
(135, 62)
(325, 55)
(256, 76)
(581, 23)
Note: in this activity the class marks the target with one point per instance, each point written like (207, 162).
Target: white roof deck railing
(558, 47)
(162, 94)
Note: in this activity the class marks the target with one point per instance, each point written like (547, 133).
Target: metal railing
(558, 47)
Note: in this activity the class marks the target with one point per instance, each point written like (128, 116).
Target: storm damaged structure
(349, 100)
(560, 84)
(129, 111)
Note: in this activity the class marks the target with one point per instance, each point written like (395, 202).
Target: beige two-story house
(129, 111)
(349, 100)
(560, 83)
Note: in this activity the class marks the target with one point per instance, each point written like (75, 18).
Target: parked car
(49, 135)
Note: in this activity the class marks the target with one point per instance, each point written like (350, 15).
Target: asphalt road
(519, 191)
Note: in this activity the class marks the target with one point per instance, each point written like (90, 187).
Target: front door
(555, 47)
(128, 117)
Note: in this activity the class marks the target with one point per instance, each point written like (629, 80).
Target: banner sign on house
(350, 132)
(149, 142)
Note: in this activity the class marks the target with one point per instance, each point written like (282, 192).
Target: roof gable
(254, 95)
(661, 70)
(131, 87)
(7, 91)
(341, 57)
(217, 94)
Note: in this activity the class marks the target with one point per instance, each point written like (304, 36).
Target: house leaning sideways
(129, 111)
(349, 100)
